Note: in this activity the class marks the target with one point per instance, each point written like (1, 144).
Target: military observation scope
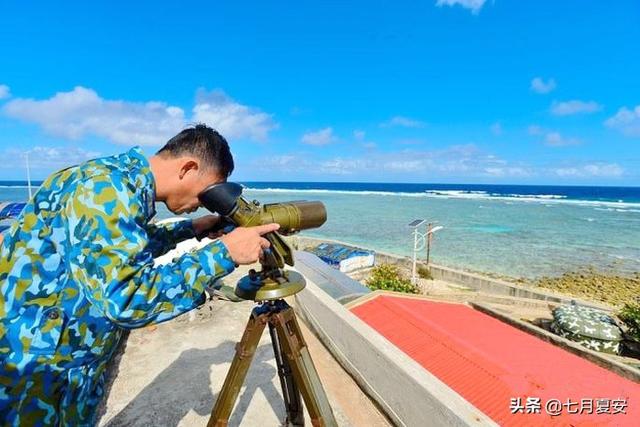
(268, 287)
(272, 282)
(226, 199)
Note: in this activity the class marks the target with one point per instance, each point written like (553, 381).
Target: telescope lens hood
(221, 198)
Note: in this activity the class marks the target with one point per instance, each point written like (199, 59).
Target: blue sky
(452, 91)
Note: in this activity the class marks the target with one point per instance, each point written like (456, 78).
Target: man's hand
(245, 244)
(208, 226)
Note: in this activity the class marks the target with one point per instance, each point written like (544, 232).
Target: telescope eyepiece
(221, 198)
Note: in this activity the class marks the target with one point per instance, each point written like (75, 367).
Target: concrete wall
(601, 359)
(405, 391)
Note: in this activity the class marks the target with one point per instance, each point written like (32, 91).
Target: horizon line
(394, 182)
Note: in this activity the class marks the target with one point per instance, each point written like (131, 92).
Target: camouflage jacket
(77, 267)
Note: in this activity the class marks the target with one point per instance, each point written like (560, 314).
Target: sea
(520, 231)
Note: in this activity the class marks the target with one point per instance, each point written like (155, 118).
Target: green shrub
(425, 272)
(387, 277)
(630, 315)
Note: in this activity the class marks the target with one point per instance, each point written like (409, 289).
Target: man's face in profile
(183, 197)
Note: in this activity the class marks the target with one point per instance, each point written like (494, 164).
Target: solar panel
(416, 222)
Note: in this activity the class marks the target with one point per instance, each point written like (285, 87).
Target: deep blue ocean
(514, 230)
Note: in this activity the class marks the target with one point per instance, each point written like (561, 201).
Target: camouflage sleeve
(108, 259)
(165, 237)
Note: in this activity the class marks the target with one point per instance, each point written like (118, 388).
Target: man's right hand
(245, 244)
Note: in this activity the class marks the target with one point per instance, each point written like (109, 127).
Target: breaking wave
(460, 194)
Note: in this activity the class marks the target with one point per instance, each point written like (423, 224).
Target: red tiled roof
(489, 362)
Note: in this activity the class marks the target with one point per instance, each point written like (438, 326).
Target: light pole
(420, 240)
(418, 245)
(430, 230)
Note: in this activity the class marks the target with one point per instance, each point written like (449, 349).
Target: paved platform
(170, 375)
(489, 363)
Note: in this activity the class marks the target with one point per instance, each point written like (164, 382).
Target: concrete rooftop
(171, 374)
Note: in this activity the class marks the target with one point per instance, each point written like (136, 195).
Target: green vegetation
(593, 285)
(630, 315)
(387, 277)
(425, 272)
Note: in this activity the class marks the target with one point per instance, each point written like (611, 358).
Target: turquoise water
(521, 238)
(515, 236)
(508, 236)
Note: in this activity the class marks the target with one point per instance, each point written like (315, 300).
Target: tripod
(296, 370)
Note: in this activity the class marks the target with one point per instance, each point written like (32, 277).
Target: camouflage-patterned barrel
(591, 328)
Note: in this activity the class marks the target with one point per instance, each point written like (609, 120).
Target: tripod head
(272, 281)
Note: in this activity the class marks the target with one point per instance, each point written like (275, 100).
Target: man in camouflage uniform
(76, 269)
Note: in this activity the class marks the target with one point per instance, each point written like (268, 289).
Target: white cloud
(496, 129)
(456, 161)
(288, 161)
(473, 5)
(540, 86)
(4, 92)
(626, 121)
(405, 165)
(594, 170)
(514, 171)
(322, 137)
(403, 122)
(340, 166)
(552, 138)
(452, 160)
(231, 119)
(359, 135)
(81, 112)
(574, 107)
(556, 140)
(48, 157)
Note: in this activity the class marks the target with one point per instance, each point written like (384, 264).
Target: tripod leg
(290, 393)
(304, 372)
(245, 350)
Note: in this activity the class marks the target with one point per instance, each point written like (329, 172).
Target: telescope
(272, 282)
(268, 287)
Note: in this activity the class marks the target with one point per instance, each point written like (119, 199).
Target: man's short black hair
(202, 142)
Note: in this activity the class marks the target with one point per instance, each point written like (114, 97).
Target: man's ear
(188, 165)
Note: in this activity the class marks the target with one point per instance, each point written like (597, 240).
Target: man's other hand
(245, 244)
(208, 226)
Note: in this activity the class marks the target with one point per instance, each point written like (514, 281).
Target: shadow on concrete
(184, 386)
(112, 371)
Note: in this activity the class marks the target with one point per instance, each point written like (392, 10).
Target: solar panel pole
(414, 278)
(429, 241)
(418, 245)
